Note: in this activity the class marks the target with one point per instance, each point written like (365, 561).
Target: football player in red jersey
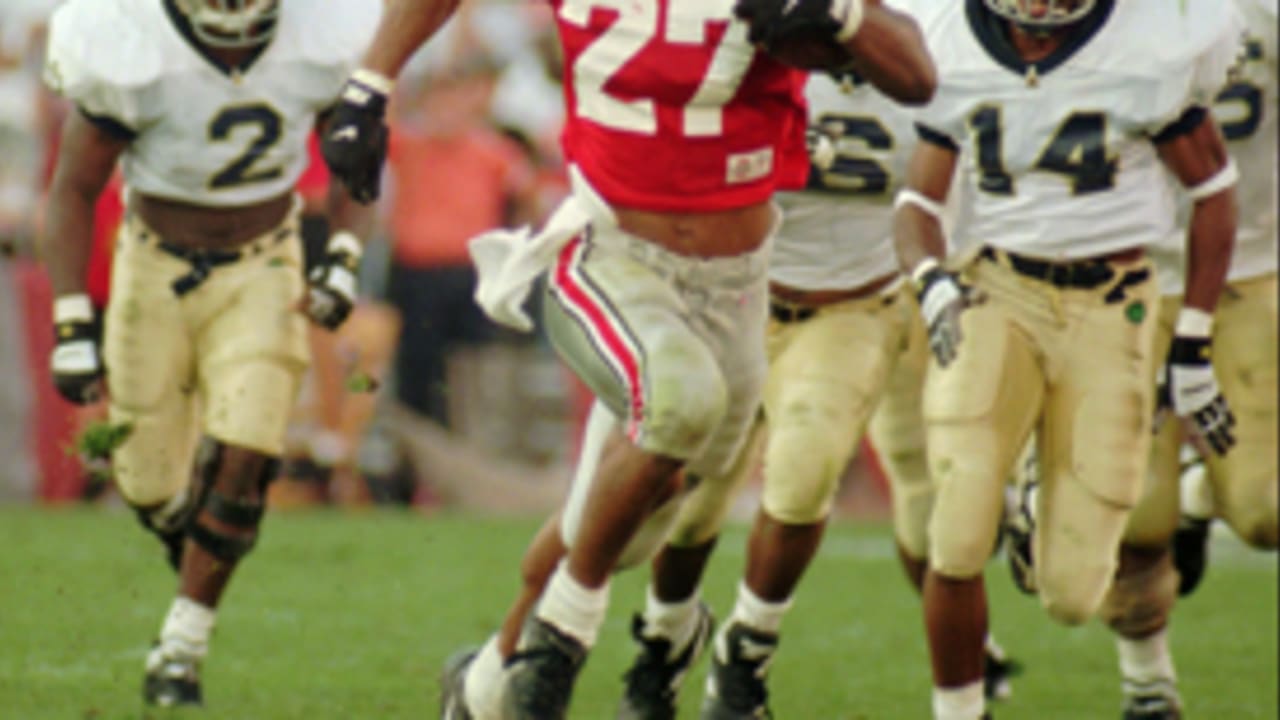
(679, 130)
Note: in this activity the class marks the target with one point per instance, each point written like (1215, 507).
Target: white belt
(508, 261)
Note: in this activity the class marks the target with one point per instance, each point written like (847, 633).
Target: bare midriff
(721, 233)
(210, 228)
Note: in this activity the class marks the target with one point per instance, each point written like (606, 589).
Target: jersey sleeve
(99, 62)
(1194, 83)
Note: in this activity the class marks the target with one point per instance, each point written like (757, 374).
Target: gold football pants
(224, 359)
(1073, 365)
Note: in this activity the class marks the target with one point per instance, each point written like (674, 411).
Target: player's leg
(152, 371)
(979, 412)
(1245, 354)
(251, 352)
(826, 377)
(631, 336)
(898, 434)
(674, 628)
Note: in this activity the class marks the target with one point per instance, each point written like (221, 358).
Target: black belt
(1082, 275)
(203, 261)
(785, 313)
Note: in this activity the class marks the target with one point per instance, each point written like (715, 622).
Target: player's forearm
(1210, 241)
(890, 53)
(405, 26)
(68, 239)
(344, 213)
(917, 236)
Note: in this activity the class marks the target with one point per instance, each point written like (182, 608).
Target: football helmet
(231, 23)
(1042, 14)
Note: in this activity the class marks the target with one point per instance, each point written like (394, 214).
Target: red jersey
(671, 109)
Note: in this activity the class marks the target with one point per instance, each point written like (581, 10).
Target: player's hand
(354, 144)
(331, 290)
(1188, 388)
(76, 360)
(771, 21)
(821, 145)
(942, 298)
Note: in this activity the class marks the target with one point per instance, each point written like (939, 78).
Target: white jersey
(1246, 111)
(1058, 155)
(837, 234)
(199, 132)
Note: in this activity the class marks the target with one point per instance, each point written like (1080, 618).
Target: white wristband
(72, 308)
(1221, 180)
(907, 196)
(850, 17)
(923, 268)
(1193, 322)
(345, 242)
(375, 80)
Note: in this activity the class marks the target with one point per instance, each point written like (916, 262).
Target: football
(810, 51)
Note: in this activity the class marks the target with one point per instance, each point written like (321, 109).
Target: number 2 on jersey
(637, 25)
(241, 170)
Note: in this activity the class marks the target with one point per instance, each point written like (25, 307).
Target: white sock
(485, 682)
(186, 629)
(676, 621)
(572, 607)
(1146, 662)
(758, 614)
(962, 703)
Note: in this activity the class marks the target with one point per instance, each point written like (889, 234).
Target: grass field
(350, 616)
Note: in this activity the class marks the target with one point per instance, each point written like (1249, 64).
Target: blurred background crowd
(419, 399)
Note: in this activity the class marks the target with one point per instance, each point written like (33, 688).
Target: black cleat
(1191, 552)
(996, 674)
(542, 673)
(453, 698)
(171, 681)
(736, 684)
(655, 677)
(1155, 706)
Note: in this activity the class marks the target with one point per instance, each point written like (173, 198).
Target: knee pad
(1255, 521)
(684, 412)
(802, 469)
(234, 497)
(1141, 598)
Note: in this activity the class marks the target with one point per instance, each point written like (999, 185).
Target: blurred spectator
(454, 177)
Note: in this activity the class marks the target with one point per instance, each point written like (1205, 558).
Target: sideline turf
(349, 616)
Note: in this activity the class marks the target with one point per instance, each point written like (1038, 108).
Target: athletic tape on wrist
(1221, 180)
(346, 243)
(1193, 322)
(922, 268)
(907, 196)
(72, 308)
(374, 80)
(852, 21)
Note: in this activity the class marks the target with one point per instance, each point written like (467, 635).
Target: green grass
(351, 615)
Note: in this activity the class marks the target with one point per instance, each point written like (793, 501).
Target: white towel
(508, 261)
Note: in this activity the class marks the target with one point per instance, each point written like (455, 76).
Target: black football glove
(331, 287)
(1188, 388)
(942, 298)
(354, 144)
(771, 21)
(76, 361)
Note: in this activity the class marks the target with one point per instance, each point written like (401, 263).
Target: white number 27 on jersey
(636, 26)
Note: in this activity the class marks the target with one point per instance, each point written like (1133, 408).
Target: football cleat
(1154, 706)
(1019, 530)
(655, 677)
(997, 671)
(171, 681)
(453, 698)
(542, 672)
(736, 684)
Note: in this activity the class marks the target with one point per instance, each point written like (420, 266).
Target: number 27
(635, 28)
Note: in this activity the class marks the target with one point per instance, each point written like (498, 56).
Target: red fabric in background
(106, 220)
(314, 183)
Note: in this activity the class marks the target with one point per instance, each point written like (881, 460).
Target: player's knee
(1071, 594)
(651, 536)
(1143, 593)
(959, 549)
(141, 490)
(1256, 522)
(233, 483)
(803, 466)
(702, 511)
